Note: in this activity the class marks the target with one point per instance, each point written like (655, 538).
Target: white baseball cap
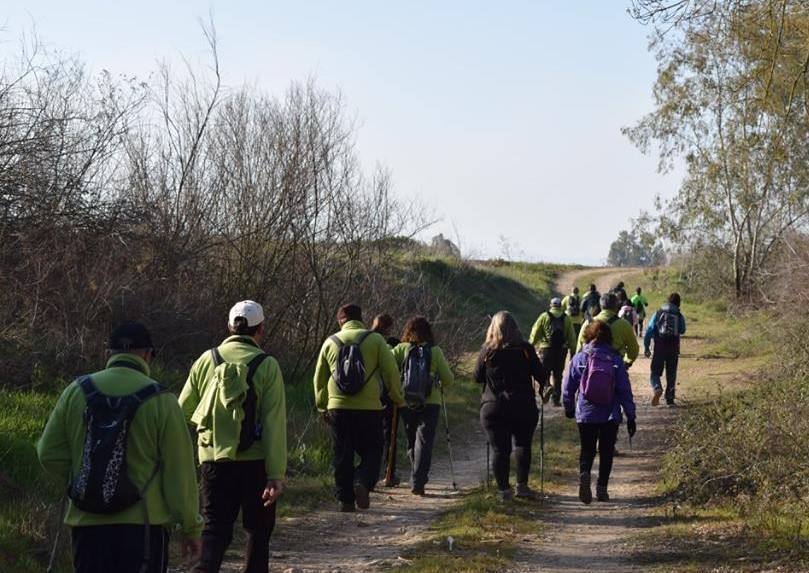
(248, 309)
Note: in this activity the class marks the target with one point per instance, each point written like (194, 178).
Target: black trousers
(420, 428)
(665, 358)
(227, 487)
(119, 548)
(553, 362)
(356, 432)
(601, 436)
(387, 432)
(509, 425)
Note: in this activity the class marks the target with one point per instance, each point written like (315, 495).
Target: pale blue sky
(504, 117)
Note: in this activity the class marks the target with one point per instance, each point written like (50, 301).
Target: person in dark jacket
(591, 304)
(598, 423)
(508, 369)
(383, 324)
(666, 327)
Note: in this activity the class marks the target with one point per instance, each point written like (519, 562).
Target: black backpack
(251, 426)
(557, 337)
(591, 306)
(349, 375)
(573, 305)
(417, 382)
(102, 484)
(668, 325)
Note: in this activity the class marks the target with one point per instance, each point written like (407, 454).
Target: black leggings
(507, 422)
(601, 435)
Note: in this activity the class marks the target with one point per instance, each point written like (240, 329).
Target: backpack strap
(217, 356)
(250, 399)
(336, 339)
(89, 388)
(612, 319)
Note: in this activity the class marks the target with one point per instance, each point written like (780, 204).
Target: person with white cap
(234, 396)
(554, 335)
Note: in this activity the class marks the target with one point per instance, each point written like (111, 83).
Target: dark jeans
(665, 359)
(119, 548)
(602, 436)
(420, 428)
(387, 432)
(553, 361)
(639, 327)
(508, 423)
(225, 488)
(356, 432)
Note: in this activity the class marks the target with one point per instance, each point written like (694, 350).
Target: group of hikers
(122, 445)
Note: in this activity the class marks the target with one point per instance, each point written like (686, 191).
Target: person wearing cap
(623, 335)
(554, 335)
(237, 474)
(159, 462)
(571, 305)
(356, 420)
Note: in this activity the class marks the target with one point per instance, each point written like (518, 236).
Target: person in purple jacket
(595, 390)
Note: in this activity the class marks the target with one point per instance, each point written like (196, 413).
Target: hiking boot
(656, 398)
(671, 404)
(557, 402)
(585, 493)
(417, 490)
(362, 496)
(615, 453)
(523, 490)
(601, 493)
(392, 482)
(504, 494)
(347, 507)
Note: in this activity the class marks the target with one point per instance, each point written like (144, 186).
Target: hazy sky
(504, 117)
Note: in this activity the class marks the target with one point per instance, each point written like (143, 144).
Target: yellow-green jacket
(623, 337)
(270, 408)
(541, 331)
(158, 435)
(439, 368)
(379, 364)
(579, 318)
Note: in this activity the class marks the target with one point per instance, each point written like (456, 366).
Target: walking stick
(488, 466)
(449, 441)
(52, 560)
(542, 451)
(394, 428)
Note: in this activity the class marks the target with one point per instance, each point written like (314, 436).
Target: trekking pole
(488, 465)
(449, 441)
(52, 560)
(542, 451)
(394, 428)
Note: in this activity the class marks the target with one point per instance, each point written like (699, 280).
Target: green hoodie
(541, 332)
(379, 363)
(158, 435)
(623, 337)
(270, 408)
(439, 368)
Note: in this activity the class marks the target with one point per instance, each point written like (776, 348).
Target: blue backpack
(417, 382)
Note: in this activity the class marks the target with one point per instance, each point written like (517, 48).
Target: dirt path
(605, 278)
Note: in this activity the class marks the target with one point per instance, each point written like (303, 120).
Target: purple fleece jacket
(586, 412)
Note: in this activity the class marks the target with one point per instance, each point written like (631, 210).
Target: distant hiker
(235, 398)
(596, 389)
(554, 335)
(507, 367)
(383, 324)
(619, 291)
(352, 367)
(119, 513)
(623, 338)
(423, 368)
(591, 304)
(666, 327)
(627, 312)
(571, 305)
(640, 303)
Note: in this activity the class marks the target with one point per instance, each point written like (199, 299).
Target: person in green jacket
(623, 336)
(242, 465)
(640, 303)
(356, 419)
(159, 463)
(421, 419)
(553, 333)
(571, 305)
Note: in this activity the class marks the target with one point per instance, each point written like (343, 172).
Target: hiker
(571, 305)
(619, 291)
(119, 514)
(423, 367)
(627, 312)
(623, 337)
(666, 327)
(349, 399)
(234, 397)
(591, 304)
(554, 335)
(383, 324)
(507, 369)
(596, 389)
(640, 303)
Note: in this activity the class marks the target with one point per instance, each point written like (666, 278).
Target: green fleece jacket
(271, 410)
(379, 364)
(623, 337)
(579, 318)
(541, 332)
(158, 435)
(439, 368)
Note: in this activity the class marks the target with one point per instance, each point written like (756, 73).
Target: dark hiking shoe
(504, 494)
(557, 402)
(417, 490)
(347, 507)
(601, 493)
(671, 404)
(615, 453)
(392, 482)
(585, 493)
(522, 490)
(656, 398)
(362, 496)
